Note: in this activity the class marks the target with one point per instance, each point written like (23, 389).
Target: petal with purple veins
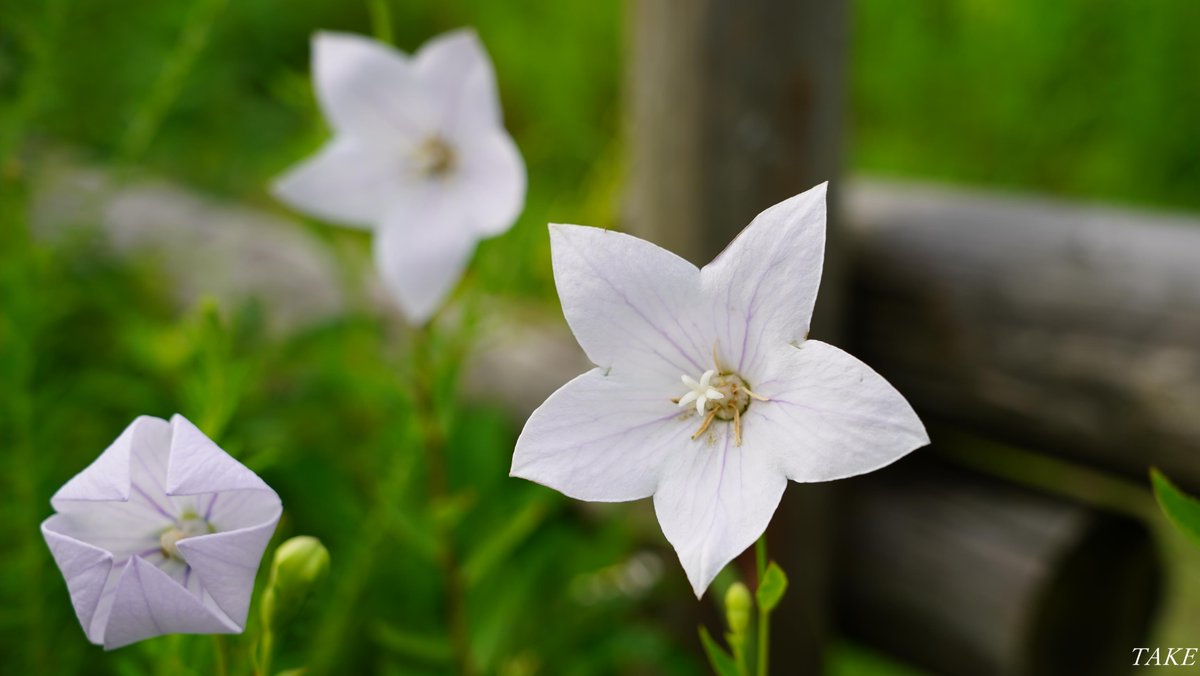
(601, 438)
(763, 286)
(633, 306)
(715, 499)
(829, 416)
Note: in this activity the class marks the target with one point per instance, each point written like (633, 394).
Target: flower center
(188, 525)
(435, 158)
(718, 395)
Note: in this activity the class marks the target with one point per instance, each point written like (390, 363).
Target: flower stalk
(433, 440)
(764, 614)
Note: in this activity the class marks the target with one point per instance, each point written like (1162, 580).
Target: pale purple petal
(197, 465)
(763, 286)
(121, 496)
(829, 416)
(422, 250)
(632, 306)
(227, 562)
(491, 176)
(715, 500)
(349, 182)
(369, 90)
(458, 77)
(85, 569)
(107, 478)
(123, 586)
(122, 528)
(601, 438)
(149, 603)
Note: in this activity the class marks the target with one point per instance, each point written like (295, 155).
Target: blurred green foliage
(1076, 98)
(1079, 98)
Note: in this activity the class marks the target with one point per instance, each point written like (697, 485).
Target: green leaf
(428, 648)
(721, 661)
(1181, 509)
(771, 588)
(500, 543)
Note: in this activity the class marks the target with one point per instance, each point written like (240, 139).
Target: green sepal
(771, 588)
(719, 659)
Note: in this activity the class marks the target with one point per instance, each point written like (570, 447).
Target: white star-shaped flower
(770, 405)
(161, 534)
(419, 155)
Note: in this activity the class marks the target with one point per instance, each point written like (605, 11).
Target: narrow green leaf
(771, 588)
(427, 648)
(500, 544)
(721, 661)
(1181, 509)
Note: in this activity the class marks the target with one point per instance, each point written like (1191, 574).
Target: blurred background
(144, 269)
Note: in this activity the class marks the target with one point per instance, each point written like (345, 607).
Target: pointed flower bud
(737, 608)
(300, 564)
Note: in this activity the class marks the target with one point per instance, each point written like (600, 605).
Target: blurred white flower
(161, 534)
(419, 155)
(788, 407)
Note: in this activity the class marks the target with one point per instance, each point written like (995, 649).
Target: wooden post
(736, 105)
(1068, 329)
(961, 575)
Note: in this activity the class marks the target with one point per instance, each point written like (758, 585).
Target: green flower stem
(152, 111)
(266, 648)
(381, 20)
(434, 441)
(352, 578)
(220, 655)
(764, 616)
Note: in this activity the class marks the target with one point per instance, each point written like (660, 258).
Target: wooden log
(961, 575)
(1068, 329)
(736, 105)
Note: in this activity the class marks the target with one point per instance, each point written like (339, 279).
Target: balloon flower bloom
(707, 394)
(419, 156)
(161, 534)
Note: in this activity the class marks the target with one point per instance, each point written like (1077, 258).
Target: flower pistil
(722, 393)
(188, 525)
(435, 158)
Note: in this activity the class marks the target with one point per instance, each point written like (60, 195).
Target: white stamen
(699, 391)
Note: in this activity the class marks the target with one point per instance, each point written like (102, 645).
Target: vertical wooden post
(736, 105)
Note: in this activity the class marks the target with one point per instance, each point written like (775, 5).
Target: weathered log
(962, 575)
(1068, 329)
(736, 105)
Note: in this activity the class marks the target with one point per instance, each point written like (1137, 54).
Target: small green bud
(738, 605)
(300, 563)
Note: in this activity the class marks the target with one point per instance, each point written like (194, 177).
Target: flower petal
(197, 465)
(346, 182)
(492, 176)
(149, 603)
(108, 477)
(457, 74)
(715, 500)
(829, 416)
(122, 491)
(85, 569)
(369, 90)
(422, 250)
(764, 284)
(600, 438)
(632, 306)
(227, 563)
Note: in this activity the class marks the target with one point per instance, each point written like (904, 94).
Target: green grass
(1076, 98)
